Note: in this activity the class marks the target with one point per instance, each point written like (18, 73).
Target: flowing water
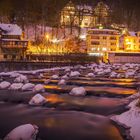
(67, 117)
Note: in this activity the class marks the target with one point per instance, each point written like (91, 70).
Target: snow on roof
(132, 33)
(112, 30)
(86, 7)
(11, 29)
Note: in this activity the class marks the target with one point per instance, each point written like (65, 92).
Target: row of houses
(106, 40)
(100, 41)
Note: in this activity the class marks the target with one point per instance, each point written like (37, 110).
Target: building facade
(132, 42)
(101, 14)
(12, 44)
(102, 40)
(85, 16)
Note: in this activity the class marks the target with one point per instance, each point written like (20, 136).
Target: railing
(13, 46)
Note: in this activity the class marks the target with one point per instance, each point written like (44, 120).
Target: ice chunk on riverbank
(37, 100)
(16, 86)
(78, 91)
(39, 88)
(23, 132)
(4, 85)
(28, 86)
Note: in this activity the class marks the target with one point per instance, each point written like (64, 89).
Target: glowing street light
(47, 36)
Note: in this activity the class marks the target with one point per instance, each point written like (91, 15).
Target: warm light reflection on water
(53, 98)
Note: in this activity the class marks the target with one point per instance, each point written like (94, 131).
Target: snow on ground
(23, 132)
(62, 82)
(16, 86)
(55, 77)
(28, 86)
(74, 74)
(39, 88)
(78, 91)
(47, 81)
(37, 100)
(65, 77)
(14, 74)
(21, 79)
(4, 85)
(131, 119)
(91, 75)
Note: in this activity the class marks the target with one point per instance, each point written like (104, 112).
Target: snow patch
(55, 77)
(75, 74)
(62, 82)
(39, 88)
(37, 100)
(23, 132)
(16, 86)
(4, 85)
(131, 119)
(21, 79)
(78, 91)
(28, 86)
(90, 75)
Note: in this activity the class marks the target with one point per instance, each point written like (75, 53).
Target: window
(113, 38)
(5, 56)
(95, 43)
(16, 43)
(95, 37)
(113, 44)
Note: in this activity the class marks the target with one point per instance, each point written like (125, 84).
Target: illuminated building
(102, 40)
(68, 15)
(101, 14)
(84, 16)
(12, 45)
(80, 15)
(132, 42)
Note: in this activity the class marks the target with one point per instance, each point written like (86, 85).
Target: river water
(67, 117)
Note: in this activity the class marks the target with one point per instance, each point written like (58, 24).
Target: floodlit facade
(101, 14)
(102, 40)
(68, 15)
(12, 44)
(84, 16)
(132, 42)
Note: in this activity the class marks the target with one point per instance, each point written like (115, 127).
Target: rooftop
(11, 29)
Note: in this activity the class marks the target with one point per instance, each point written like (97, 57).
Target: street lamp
(47, 36)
